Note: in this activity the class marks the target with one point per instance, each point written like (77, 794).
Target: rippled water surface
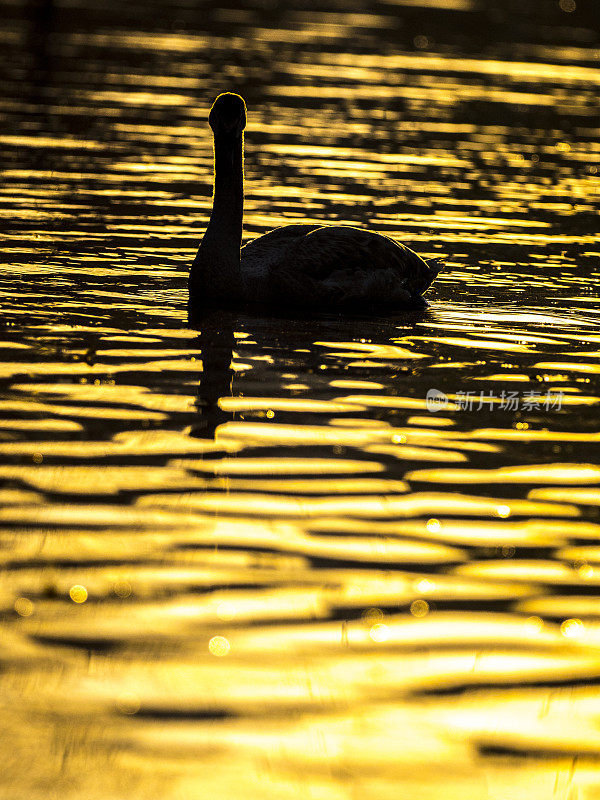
(251, 561)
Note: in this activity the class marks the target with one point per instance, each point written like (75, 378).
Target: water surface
(249, 560)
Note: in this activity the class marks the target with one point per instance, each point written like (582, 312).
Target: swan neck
(228, 194)
(216, 272)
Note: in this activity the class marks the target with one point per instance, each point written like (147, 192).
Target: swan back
(334, 268)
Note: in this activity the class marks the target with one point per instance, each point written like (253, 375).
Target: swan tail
(436, 265)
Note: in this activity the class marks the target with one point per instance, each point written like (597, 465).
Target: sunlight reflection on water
(250, 559)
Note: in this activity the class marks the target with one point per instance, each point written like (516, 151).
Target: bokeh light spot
(128, 703)
(419, 608)
(219, 646)
(572, 628)
(122, 588)
(78, 593)
(379, 632)
(23, 606)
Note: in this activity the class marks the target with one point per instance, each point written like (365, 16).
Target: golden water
(314, 587)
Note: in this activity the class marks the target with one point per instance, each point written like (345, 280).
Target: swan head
(228, 115)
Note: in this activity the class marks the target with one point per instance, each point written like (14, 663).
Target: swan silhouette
(332, 268)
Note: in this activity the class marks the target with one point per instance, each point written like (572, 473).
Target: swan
(332, 268)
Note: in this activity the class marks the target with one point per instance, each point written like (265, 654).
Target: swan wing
(261, 255)
(344, 267)
(279, 236)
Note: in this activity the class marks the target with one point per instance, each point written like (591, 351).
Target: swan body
(331, 268)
